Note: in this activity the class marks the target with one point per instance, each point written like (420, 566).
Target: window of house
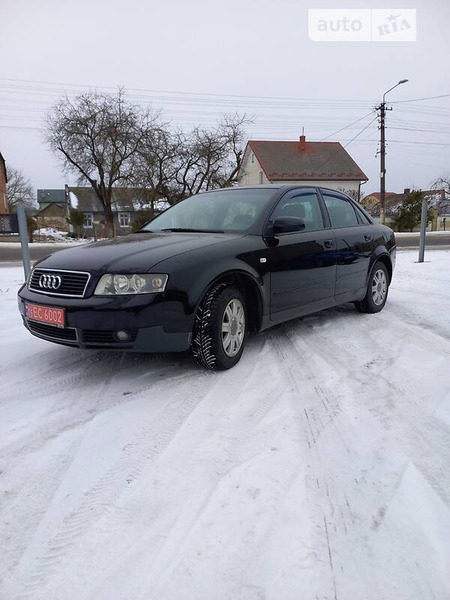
(260, 177)
(253, 158)
(89, 219)
(124, 219)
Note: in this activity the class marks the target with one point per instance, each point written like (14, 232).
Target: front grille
(59, 282)
(66, 334)
(94, 336)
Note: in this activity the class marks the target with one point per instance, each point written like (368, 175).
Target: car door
(302, 263)
(354, 245)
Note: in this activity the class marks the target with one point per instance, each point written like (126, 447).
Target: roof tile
(284, 161)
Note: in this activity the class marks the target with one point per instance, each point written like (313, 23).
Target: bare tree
(355, 195)
(211, 158)
(158, 162)
(18, 189)
(176, 164)
(96, 136)
(442, 183)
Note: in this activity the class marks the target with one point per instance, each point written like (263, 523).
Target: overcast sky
(197, 60)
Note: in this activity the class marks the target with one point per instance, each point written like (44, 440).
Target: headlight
(118, 285)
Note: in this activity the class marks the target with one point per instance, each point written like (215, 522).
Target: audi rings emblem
(50, 282)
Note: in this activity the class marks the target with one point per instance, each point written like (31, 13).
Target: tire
(377, 290)
(220, 329)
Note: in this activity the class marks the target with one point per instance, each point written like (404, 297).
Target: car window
(302, 204)
(363, 218)
(228, 211)
(340, 210)
(240, 216)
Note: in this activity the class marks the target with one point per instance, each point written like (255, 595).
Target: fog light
(123, 336)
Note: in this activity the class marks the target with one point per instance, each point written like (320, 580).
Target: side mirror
(288, 225)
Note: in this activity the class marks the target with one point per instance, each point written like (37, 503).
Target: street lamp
(382, 109)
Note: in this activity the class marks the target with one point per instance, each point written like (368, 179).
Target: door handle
(368, 238)
(328, 243)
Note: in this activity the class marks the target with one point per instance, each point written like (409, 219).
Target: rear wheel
(220, 328)
(377, 290)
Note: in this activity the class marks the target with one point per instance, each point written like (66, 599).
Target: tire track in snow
(123, 506)
(49, 369)
(54, 377)
(24, 509)
(428, 436)
(317, 407)
(101, 499)
(314, 416)
(424, 438)
(80, 412)
(331, 510)
(83, 404)
(423, 328)
(246, 443)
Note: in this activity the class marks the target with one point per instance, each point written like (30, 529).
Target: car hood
(138, 252)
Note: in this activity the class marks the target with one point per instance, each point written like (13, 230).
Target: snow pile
(316, 468)
(50, 234)
(73, 199)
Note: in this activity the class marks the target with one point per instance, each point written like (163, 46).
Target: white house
(316, 163)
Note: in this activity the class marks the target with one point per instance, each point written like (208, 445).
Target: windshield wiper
(190, 230)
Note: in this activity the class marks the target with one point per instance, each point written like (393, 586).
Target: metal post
(23, 232)
(423, 229)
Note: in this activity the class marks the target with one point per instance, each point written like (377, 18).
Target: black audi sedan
(211, 269)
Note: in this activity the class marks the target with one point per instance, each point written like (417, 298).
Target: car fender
(187, 289)
(382, 254)
(219, 270)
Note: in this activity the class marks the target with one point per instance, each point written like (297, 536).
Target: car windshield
(221, 211)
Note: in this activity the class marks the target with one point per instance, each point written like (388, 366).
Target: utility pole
(382, 108)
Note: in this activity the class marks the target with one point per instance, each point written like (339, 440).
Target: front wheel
(377, 290)
(220, 329)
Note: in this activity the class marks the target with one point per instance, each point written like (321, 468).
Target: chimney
(302, 144)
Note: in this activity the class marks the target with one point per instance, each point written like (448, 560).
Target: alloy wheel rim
(233, 327)
(379, 287)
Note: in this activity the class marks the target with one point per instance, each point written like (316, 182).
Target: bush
(141, 219)
(410, 212)
(32, 225)
(77, 219)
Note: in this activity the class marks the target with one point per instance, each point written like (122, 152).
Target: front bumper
(128, 323)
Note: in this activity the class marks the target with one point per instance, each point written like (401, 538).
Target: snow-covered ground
(318, 468)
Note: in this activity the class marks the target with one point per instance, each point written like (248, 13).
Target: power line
(212, 95)
(358, 134)
(346, 127)
(420, 99)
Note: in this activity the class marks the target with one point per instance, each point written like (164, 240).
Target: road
(11, 253)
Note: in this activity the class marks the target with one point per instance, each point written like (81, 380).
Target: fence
(8, 223)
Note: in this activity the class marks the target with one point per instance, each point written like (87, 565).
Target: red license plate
(45, 314)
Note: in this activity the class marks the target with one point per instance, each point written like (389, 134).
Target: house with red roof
(436, 199)
(317, 163)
